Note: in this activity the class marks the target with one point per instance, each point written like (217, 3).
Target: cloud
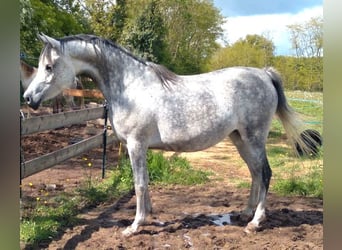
(272, 26)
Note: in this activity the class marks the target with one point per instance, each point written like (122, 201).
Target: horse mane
(165, 75)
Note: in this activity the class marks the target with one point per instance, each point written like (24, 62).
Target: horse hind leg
(253, 153)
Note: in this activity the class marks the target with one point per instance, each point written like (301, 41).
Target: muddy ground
(182, 216)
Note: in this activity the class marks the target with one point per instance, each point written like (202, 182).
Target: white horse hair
(28, 73)
(151, 107)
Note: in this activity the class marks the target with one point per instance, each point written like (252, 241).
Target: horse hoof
(129, 231)
(251, 228)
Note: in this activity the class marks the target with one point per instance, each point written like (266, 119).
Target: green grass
(309, 105)
(43, 221)
(293, 175)
(162, 170)
(173, 170)
(244, 184)
(309, 184)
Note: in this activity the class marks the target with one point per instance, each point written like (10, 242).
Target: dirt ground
(182, 216)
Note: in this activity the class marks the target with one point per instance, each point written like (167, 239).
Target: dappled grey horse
(151, 107)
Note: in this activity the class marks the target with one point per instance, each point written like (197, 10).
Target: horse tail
(302, 140)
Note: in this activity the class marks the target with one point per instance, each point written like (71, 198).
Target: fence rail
(49, 160)
(47, 122)
(94, 93)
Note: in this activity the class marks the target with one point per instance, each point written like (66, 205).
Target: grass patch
(165, 170)
(43, 221)
(173, 170)
(310, 184)
(278, 156)
(309, 105)
(292, 175)
(244, 184)
(276, 129)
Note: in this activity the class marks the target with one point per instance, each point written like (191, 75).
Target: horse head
(55, 72)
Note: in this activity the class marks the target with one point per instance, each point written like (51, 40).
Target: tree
(28, 31)
(119, 18)
(191, 30)
(147, 35)
(297, 75)
(100, 17)
(264, 46)
(307, 41)
(52, 17)
(193, 27)
(253, 51)
(307, 38)
(179, 34)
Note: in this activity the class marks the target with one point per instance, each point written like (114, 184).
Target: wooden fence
(48, 122)
(84, 93)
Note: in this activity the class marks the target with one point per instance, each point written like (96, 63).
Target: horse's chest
(128, 122)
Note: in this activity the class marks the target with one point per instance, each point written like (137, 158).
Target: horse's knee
(140, 189)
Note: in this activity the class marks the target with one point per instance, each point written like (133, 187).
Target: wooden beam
(94, 93)
(49, 160)
(47, 122)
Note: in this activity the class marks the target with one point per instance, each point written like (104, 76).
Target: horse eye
(48, 67)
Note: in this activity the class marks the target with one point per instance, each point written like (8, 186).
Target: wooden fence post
(104, 139)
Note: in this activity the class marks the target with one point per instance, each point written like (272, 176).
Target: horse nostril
(28, 100)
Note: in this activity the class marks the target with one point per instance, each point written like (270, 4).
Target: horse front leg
(137, 153)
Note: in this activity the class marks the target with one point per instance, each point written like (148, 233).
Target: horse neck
(112, 70)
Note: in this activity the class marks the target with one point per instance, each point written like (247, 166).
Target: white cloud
(273, 26)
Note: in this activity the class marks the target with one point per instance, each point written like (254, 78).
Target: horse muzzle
(30, 101)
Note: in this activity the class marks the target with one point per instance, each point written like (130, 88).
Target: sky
(266, 17)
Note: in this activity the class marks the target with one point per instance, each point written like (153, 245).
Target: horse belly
(194, 138)
(194, 144)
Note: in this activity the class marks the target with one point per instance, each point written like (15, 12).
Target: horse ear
(49, 40)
